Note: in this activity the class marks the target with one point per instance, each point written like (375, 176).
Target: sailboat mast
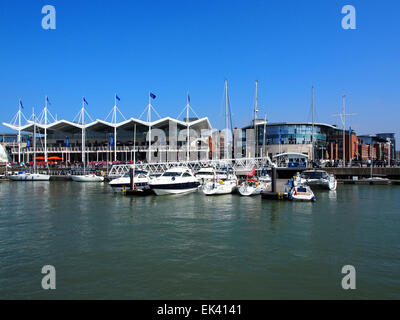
(45, 130)
(149, 121)
(344, 129)
(226, 121)
(187, 122)
(255, 118)
(34, 142)
(312, 134)
(83, 135)
(19, 132)
(265, 131)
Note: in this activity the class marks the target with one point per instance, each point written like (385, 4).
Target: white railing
(240, 165)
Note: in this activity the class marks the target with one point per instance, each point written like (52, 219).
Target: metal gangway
(240, 166)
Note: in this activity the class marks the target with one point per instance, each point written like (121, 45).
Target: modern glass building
(299, 137)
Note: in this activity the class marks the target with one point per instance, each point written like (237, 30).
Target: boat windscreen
(315, 175)
(171, 174)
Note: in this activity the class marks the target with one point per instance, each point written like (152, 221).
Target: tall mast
(149, 121)
(34, 141)
(45, 130)
(115, 128)
(187, 122)
(19, 132)
(312, 134)
(255, 118)
(344, 129)
(83, 135)
(226, 121)
(265, 131)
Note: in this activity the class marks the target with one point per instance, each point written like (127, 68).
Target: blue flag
(20, 102)
(188, 98)
(67, 142)
(84, 100)
(47, 99)
(116, 97)
(152, 95)
(112, 141)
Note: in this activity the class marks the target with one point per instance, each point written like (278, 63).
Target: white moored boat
(301, 192)
(316, 178)
(88, 178)
(140, 181)
(174, 181)
(26, 176)
(250, 188)
(205, 175)
(222, 183)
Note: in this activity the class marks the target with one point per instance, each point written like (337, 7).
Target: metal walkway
(240, 166)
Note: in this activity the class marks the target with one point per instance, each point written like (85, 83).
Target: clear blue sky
(171, 47)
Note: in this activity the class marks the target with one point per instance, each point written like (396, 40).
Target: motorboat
(174, 181)
(223, 182)
(88, 178)
(26, 176)
(316, 178)
(301, 192)
(141, 180)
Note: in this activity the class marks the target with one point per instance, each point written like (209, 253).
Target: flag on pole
(152, 95)
(84, 100)
(47, 99)
(116, 97)
(20, 102)
(188, 98)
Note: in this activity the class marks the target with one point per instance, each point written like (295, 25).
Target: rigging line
(230, 114)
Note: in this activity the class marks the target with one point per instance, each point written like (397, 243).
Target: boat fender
(134, 186)
(221, 182)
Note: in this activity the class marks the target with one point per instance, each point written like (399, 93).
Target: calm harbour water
(106, 246)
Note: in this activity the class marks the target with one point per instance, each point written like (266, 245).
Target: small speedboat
(26, 176)
(301, 192)
(316, 178)
(88, 178)
(174, 181)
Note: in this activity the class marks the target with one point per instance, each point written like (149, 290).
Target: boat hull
(87, 178)
(249, 191)
(170, 191)
(30, 177)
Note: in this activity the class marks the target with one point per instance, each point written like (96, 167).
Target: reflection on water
(191, 246)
